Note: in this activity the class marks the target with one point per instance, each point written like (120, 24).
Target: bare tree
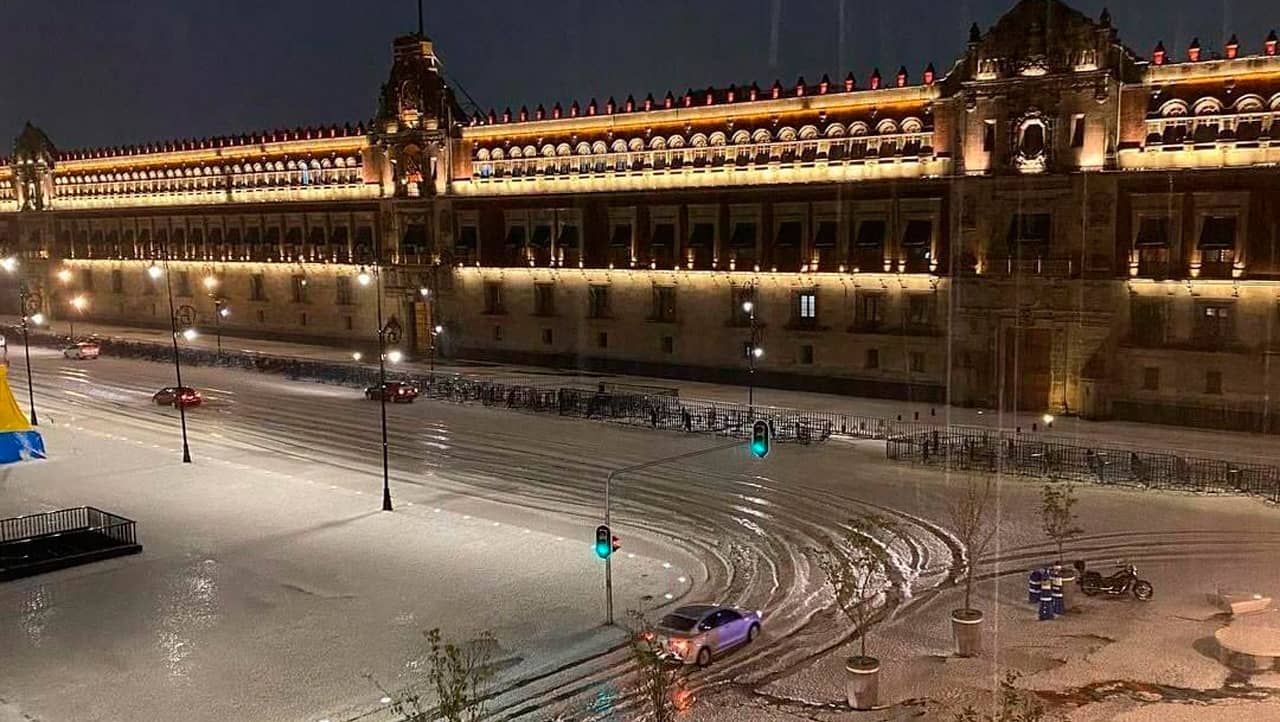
(857, 568)
(661, 682)
(1057, 513)
(458, 676)
(971, 517)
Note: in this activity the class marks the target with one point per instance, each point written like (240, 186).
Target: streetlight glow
(394, 356)
(154, 271)
(363, 278)
(757, 352)
(210, 282)
(439, 328)
(79, 303)
(1047, 418)
(357, 355)
(9, 264)
(64, 275)
(748, 306)
(190, 334)
(424, 291)
(224, 312)
(37, 318)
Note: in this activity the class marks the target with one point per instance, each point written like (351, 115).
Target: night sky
(112, 72)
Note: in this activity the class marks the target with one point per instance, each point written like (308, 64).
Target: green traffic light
(603, 550)
(759, 449)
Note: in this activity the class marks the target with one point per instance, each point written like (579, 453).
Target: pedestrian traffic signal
(604, 542)
(760, 439)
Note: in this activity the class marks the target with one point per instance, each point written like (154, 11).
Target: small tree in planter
(1058, 516)
(1057, 513)
(971, 516)
(458, 678)
(661, 682)
(857, 568)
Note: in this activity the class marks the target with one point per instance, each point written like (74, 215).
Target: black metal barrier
(1023, 455)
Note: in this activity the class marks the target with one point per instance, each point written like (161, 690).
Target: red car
(399, 392)
(178, 396)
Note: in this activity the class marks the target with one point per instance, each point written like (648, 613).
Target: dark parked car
(178, 396)
(399, 392)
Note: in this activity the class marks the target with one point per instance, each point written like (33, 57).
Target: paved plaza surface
(270, 583)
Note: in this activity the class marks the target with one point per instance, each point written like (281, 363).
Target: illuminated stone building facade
(1053, 223)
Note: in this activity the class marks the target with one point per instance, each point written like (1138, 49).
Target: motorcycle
(1125, 581)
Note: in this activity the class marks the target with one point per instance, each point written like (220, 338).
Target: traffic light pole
(608, 495)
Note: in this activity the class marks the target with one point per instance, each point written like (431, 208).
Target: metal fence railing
(1012, 453)
(65, 521)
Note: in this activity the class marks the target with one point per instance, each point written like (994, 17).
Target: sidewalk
(1239, 446)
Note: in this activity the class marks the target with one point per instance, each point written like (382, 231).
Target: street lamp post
(26, 350)
(219, 309)
(155, 272)
(77, 304)
(753, 352)
(364, 279)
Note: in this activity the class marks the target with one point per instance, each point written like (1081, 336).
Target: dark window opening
(702, 239)
(668, 344)
(598, 302)
(1213, 382)
(824, 247)
(546, 336)
(1217, 246)
(664, 304)
(806, 354)
(568, 248)
(868, 246)
(869, 311)
(786, 246)
(1030, 235)
(872, 361)
(1077, 131)
(620, 246)
(662, 246)
(1151, 378)
(493, 298)
(602, 339)
(1214, 325)
(544, 299)
(1147, 321)
(989, 136)
(917, 244)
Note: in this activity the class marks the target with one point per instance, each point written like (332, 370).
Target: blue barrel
(1056, 589)
(1046, 600)
(1033, 585)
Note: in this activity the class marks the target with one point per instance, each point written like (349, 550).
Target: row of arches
(885, 127)
(1209, 105)
(315, 171)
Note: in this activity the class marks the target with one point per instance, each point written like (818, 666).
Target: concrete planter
(966, 628)
(864, 682)
(1070, 590)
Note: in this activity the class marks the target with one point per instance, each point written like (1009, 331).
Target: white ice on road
(267, 595)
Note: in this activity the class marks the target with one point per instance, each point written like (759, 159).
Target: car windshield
(678, 623)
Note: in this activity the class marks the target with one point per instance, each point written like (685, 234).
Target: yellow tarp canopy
(11, 417)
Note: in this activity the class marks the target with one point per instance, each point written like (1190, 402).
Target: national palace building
(1054, 222)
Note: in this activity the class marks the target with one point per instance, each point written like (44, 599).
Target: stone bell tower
(415, 118)
(33, 160)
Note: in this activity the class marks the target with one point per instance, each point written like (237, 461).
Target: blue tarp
(20, 446)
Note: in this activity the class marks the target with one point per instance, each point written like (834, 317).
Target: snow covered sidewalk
(267, 588)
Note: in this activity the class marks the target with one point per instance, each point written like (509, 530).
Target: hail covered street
(271, 587)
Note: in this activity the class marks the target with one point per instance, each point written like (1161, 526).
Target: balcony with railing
(489, 170)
